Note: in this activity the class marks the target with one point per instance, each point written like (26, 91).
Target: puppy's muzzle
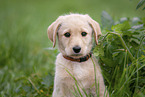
(76, 49)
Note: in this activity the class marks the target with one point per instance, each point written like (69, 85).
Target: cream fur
(64, 84)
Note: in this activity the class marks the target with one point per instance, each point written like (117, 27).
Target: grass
(26, 65)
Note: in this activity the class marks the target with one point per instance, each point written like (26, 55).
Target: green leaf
(135, 20)
(121, 58)
(98, 50)
(108, 61)
(48, 80)
(135, 40)
(121, 28)
(115, 54)
(140, 4)
(123, 19)
(137, 27)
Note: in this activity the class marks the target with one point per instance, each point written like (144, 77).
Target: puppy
(77, 71)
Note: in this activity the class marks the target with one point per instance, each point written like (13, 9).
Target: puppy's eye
(83, 33)
(67, 34)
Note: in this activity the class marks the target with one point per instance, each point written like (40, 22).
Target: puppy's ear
(96, 29)
(52, 31)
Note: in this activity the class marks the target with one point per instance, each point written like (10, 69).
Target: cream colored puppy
(75, 63)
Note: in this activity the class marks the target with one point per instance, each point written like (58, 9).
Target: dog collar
(82, 59)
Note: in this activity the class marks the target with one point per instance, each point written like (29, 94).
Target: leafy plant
(122, 55)
(141, 3)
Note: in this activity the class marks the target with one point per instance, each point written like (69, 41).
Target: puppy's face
(74, 33)
(75, 37)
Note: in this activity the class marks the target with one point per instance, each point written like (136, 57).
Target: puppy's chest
(66, 70)
(81, 71)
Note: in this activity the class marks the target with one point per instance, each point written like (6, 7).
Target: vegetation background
(26, 57)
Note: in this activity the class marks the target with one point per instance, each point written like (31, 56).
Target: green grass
(26, 65)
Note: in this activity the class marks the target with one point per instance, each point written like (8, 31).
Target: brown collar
(82, 59)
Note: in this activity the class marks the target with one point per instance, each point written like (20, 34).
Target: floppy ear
(96, 29)
(52, 31)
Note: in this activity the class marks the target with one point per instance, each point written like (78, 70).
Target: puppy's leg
(58, 91)
(63, 87)
(102, 91)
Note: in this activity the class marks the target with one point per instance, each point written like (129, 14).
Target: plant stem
(122, 42)
(141, 41)
(33, 85)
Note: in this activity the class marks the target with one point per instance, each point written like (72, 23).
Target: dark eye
(67, 34)
(83, 33)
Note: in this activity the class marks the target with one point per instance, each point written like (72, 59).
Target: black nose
(76, 49)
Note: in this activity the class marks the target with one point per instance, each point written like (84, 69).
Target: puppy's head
(74, 33)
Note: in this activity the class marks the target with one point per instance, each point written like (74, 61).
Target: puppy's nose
(76, 49)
